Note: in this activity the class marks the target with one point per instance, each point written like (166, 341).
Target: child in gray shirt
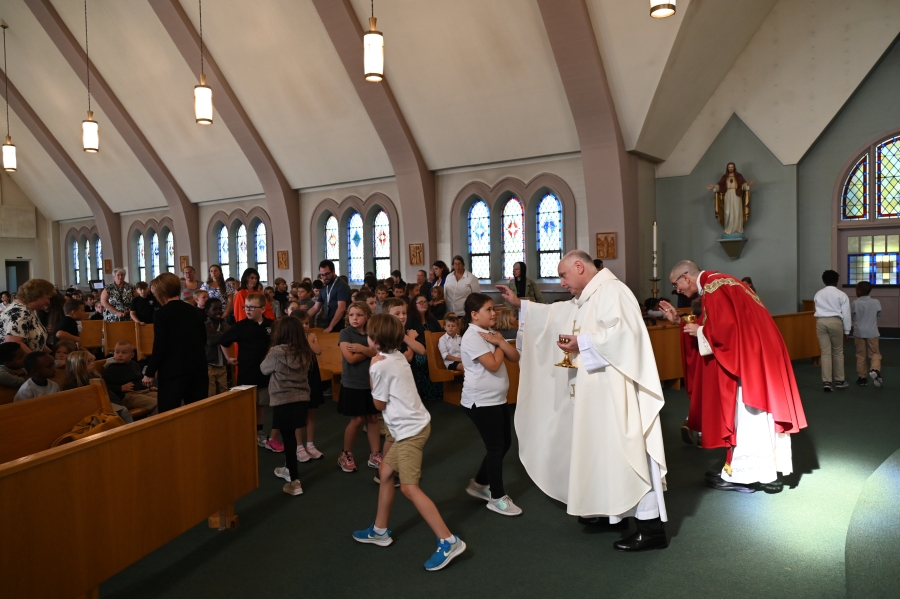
(865, 311)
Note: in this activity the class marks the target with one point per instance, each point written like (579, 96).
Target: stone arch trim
(836, 222)
(495, 196)
(366, 209)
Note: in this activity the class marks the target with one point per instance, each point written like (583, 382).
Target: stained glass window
(855, 199)
(141, 261)
(332, 239)
(549, 235)
(240, 240)
(223, 252)
(355, 247)
(382, 240)
(170, 252)
(876, 268)
(513, 236)
(75, 262)
(262, 263)
(99, 256)
(480, 240)
(887, 183)
(87, 260)
(154, 255)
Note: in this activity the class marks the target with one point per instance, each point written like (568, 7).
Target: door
(17, 272)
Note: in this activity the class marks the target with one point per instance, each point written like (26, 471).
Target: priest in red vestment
(746, 395)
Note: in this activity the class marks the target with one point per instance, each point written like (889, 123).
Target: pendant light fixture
(90, 129)
(203, 99)
(9, 150)
(660, 9)
(373, 51)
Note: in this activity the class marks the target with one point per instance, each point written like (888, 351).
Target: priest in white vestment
(590, 436)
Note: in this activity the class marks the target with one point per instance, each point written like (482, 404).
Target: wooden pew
(666, 342)
(144, 334)
(113, 332)
(166, 474)
(799, 333)
(136, 413)
(30, 426)
(452, 380)
(91, 334)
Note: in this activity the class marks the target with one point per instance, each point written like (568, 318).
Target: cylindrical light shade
(660, 9)
(90, 134)
(203, 102)
(373, 56)
(9, 156)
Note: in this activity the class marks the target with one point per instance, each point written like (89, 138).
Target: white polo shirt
(481, 387)
(393, 383)
(449, 346)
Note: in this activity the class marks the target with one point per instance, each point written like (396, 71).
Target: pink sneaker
(302, 456)
(374, 460)
(314, 454)
(274, 445)
(346, 462)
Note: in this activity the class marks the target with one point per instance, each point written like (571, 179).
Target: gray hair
(118, 270)
(684, 267)
(579, 255)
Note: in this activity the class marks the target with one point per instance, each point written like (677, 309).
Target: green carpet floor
(722, 544)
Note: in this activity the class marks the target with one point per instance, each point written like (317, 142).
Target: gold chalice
(689, 318)
(566, 362)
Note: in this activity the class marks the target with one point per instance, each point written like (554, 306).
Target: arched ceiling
(476, 81)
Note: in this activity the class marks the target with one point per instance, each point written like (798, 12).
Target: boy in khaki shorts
(409, 424)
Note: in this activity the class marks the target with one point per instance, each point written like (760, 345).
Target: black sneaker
(862, 381)
(826, 387)
(841, 385)
(876, 377)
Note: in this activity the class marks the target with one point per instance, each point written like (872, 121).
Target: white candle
(654, 250)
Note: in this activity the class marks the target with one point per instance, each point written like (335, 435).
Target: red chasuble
(747, 345)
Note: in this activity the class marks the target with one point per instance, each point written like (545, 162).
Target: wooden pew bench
(97, 505)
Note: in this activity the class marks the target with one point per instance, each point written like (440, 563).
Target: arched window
(549, 235)
(87, 260)
(222, 245)
(513, 236)
(141, 260)
(262, 264)
(154, 255)
(887, 183)
(381, 233)
(98, 254)
(855, 199)
(332, 239)
(76, 270)
(170, 252)
(355, 247)
(480, 240)
(240, 240)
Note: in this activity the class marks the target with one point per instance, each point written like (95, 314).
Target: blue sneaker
(370, 536)
(445, 552)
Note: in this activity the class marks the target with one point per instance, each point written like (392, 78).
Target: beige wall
(646, 216)
(39, 251)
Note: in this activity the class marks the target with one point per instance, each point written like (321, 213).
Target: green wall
(688, 228)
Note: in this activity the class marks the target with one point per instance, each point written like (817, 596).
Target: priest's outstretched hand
(668, 311)
(509, 295)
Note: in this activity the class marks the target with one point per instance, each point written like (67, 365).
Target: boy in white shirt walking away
(409, 424)
(832, 329)
(450, 344)
(866, 311)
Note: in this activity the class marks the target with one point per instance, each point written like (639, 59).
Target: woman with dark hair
(370, 281)
(218, 288)
(5, 300)
(421, 313)
(179, 347)
(439, 272)
(250, 284)
(524, 287)
(459, 285)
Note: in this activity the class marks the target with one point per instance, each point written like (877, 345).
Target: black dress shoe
(602, 521)
(720, 484)
(687, 435)
(641, 542)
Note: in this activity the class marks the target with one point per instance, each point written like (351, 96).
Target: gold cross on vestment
(572, 392)
(575, 329)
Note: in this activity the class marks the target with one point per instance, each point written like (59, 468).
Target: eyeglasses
(675, 282)
(249, 308)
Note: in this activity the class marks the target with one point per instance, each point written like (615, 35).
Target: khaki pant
(405, 456)
(830, 331)
(140, 399)
(870, 347)
(218, 379)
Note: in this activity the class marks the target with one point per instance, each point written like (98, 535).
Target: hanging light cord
(87, 56)
(6, 82)
(373, 8)
(201, 36)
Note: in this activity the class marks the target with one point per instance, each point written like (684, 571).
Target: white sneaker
(302, 456)
(293, 488)
(313, 453)
(282, 472)
(479, 491)
(504, 506)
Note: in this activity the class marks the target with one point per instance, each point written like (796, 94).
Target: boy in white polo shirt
(409, 425)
